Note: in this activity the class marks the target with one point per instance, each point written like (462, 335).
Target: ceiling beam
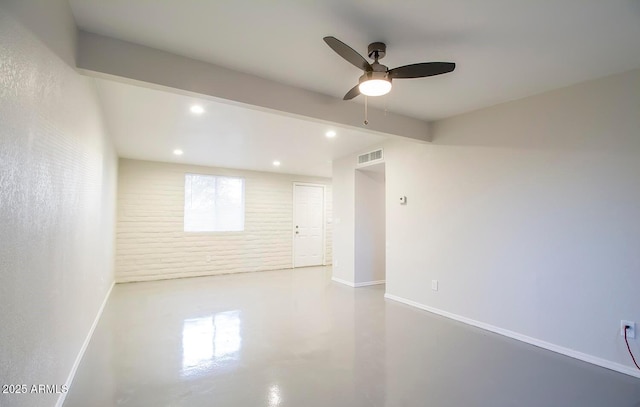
(99, 55)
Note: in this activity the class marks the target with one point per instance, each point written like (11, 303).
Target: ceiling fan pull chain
(366, 121)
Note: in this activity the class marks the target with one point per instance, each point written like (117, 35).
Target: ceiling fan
(376, 80)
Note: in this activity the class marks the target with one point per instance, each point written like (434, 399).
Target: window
(213, 204)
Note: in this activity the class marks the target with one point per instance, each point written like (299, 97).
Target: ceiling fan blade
(348, 53)
(421, 70)
(355, 91)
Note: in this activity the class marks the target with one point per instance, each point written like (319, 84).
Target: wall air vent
(370, 158)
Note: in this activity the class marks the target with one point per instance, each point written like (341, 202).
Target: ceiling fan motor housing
(373, 75)
(377, 50)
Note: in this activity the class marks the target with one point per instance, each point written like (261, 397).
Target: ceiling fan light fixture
(374, 84)
(375, 87)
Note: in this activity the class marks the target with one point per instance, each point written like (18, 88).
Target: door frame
(293, 218)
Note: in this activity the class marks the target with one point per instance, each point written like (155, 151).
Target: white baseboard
(356, 285)
(524, 338)
(366, 283)
(76, 363)
(341, 281)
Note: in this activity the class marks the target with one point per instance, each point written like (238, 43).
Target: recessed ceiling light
(197, 109)
(177, 151)
(276, 163)
(330, 134)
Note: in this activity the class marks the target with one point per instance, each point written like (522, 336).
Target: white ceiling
(148, 124)
(504, 50)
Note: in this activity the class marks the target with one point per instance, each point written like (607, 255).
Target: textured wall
(528, 213)
(57, 200)
(151, 243)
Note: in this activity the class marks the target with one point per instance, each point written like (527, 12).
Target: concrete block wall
(151, 243)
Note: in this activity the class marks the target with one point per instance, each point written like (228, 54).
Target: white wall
(344, 221)
(151, 243)
(369, 216)
(57, 200)
(528, 214)
(343, 171)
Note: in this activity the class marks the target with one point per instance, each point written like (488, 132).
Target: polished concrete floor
(294, 338)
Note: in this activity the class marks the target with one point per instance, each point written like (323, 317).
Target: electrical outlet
(434, 285)
(631, 332)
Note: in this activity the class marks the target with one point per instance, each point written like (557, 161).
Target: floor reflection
(206, 341)
(274, 396)
(227, 339)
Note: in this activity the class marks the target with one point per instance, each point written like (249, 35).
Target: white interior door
(308, 222)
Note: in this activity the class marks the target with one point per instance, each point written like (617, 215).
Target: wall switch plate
(434, 285)
(631, 332)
